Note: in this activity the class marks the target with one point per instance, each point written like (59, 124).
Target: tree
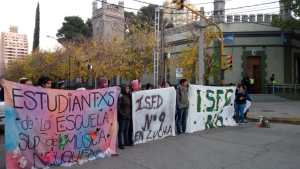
(212, 59)
(129, 58)
(146, 15)
(89, 25)
(130, 18)
(188, 62)
(293, 5)
(39, 63)
(74, 30)
(292, 22)
(36, 36)
(138, 50)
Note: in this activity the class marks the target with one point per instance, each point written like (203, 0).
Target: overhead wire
(233, 13)
(135, 9)
(208, 12)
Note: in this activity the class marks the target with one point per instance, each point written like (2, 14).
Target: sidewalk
(275, 109)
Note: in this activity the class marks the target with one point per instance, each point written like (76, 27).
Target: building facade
(108, 21)
(178, 17)
(13, 46)
(258, 49)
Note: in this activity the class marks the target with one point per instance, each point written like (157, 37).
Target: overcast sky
(52, 12)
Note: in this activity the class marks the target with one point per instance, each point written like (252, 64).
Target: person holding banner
(182, 104)
(135, 86)
(45, 82)
(25, 80)
(240, 102)
(165, 84)
(124, 116)
(103, 83)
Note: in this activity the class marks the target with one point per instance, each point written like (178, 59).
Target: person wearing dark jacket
(124, 117)
(247, 82)
(240, 102)
(182, 105)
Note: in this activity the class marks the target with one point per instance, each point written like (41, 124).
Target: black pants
(123, 134)
(181, 120)
(130, 134)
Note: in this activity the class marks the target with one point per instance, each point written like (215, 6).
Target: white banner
(153, 114)
(210, 107)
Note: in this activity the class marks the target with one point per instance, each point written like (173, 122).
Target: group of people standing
(182, 104)
(125, 110)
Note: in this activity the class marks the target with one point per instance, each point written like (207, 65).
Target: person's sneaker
(121, 147)
(130, 144)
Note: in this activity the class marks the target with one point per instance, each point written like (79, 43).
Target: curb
(290, 120)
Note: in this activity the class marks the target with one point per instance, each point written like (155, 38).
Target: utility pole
(201, 67)
(162, 52)
(201, 55)
(156, 52)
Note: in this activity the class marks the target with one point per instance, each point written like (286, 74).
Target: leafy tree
(212, 59)
(146, 15)
(36, 36)
(293, 5)
(139, 51)
(188, 61)
(89, 25)
(74, 30)
(130, 17)
(129, 58)
(292, 22)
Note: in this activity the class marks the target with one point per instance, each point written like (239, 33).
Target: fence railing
(282, 88)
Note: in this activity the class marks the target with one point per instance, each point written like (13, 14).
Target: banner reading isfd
(153, 114)
(48, 127)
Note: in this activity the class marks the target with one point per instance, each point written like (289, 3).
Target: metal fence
(282, 88)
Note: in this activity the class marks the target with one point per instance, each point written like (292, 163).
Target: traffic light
(179, 4)
(228, 62)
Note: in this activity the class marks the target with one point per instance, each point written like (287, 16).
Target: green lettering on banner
(198, 100)
(219, 92)
(210, 98)
(227, 100)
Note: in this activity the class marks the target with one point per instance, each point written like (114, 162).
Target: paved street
(243, 147)
(271, 106)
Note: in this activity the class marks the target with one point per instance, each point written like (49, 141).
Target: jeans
(123, 134)
(239, 109)
(181, 120)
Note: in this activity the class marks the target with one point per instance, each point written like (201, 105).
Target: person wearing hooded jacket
(124, 117)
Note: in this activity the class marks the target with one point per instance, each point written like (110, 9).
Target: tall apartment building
(12, 46)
